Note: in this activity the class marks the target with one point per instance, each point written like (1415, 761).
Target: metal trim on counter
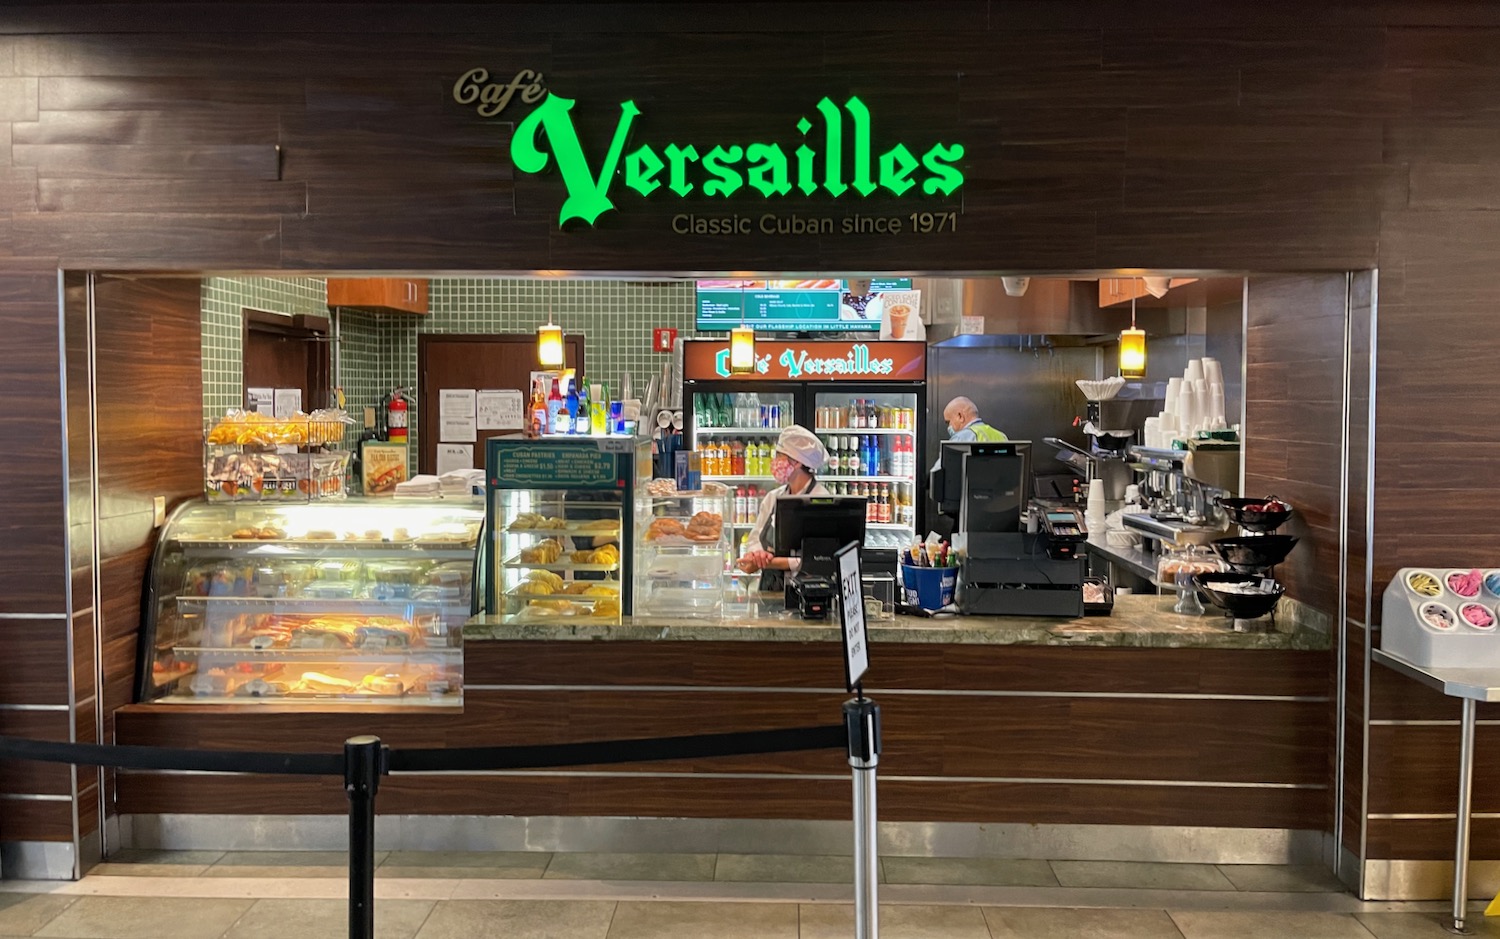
(38, 860)
(1182, 844)
(1399, 879)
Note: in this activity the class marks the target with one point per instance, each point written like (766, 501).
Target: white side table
(1470, 686)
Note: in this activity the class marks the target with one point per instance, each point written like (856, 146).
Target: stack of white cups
(1094, 515)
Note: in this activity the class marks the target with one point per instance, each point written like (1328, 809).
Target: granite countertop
(1138, 620)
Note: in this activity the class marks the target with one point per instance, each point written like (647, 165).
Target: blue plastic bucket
(930, 588)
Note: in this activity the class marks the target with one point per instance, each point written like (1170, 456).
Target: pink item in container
(1438, 616)
(1477, 616)
(1465, 585)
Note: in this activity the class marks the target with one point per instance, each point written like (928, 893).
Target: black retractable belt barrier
(365, 760)
(643, 750)
(167, 758)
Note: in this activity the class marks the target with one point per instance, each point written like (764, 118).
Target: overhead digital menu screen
(790, 305)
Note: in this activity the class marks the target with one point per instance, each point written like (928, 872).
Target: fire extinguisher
(397, 406)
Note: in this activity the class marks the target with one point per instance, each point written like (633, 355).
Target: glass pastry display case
(682, 550)
(358, 601)
(559, 512)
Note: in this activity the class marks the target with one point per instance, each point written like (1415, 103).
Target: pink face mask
(782, 468)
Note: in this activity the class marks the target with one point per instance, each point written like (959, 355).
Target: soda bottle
(572, 405)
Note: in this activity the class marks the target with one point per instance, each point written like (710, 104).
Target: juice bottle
(598, 410)
(537, 421)
(554, 408)
(738, 448)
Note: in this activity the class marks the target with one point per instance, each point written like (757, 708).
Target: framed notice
(852, 616)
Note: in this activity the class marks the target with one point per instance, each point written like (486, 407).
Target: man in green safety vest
(965, 425)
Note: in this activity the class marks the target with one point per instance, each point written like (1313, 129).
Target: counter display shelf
(361, 601)
(682, 549)
(561, 520)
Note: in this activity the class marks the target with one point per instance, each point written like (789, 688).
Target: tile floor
(536, 895)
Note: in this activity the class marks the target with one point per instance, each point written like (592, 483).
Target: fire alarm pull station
(662, 338)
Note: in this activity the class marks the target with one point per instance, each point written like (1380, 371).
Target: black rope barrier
(642, 750)
(166, 758)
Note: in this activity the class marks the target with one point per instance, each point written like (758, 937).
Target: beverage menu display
(792, 305)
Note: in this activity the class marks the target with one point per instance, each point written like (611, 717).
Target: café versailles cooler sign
(834, 156)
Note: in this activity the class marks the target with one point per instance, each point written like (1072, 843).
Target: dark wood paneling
(902, 666)
(33, 651)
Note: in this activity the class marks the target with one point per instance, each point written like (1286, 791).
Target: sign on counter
(852, 616)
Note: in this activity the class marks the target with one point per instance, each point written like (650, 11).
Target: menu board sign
(812, 360)
(560, 466)
(794, 305)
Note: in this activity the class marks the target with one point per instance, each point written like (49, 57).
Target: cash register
(1007, 571)
(813, 529)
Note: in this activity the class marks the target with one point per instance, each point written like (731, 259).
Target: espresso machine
(1180, 490)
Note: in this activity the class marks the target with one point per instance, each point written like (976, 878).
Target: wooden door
(287, 352)
(480, 363)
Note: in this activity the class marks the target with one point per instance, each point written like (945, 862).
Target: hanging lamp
(741, 344)
(549, 343)
(1132, 348)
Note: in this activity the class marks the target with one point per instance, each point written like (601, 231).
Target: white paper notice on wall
(454, 456)
(456, 415)
(500, 409)
(288, 402)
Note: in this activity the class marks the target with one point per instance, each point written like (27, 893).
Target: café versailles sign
(547, 136)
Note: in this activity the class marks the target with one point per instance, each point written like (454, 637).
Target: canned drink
(773, 416)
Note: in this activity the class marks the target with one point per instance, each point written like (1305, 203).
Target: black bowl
(1254, 521)
(1238, 605)
(1256, 552)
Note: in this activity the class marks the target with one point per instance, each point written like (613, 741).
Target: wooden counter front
(974, 732)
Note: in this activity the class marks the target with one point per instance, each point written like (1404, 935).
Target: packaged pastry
(331, 590)
(705, 526)
(339, 569)
(664, 528)
(388, 634)
(394, 580)
(270, 581)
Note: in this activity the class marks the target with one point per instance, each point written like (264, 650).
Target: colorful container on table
(930, 588)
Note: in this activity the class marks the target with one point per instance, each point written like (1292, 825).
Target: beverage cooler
(865, 400)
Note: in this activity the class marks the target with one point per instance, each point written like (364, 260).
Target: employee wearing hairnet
(798, 457)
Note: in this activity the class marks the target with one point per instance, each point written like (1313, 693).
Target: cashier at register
(795, 464)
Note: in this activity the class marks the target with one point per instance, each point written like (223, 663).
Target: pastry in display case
(682, 549)
(357, 601)
(559, 516)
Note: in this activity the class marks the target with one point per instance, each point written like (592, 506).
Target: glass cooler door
(871, 438)
(734, 433)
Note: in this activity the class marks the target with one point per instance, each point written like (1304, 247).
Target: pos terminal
(813, 529)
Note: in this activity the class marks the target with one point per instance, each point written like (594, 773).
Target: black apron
(772, 580)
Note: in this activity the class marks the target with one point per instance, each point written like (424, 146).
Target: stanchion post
(862, 719)
(364, 759)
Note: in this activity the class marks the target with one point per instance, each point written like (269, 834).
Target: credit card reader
(1063, 532)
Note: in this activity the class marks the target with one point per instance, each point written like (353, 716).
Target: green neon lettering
(861, 115)
(725, 180)
(641, 168)
(833, 151)
(677, 160)
(588, 195)
(764, 159)
(939, 162)
(896, 165)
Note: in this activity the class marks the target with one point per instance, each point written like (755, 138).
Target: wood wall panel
(903, 666)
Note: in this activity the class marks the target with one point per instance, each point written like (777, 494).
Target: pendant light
(1132, 348)
(741, 344)
(549, 343)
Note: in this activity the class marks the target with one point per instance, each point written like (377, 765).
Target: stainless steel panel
(38, 860)
(1426, 880)
(736, 836)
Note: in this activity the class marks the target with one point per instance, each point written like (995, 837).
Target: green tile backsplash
(378, 352)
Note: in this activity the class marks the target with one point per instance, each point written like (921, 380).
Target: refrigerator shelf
(865, 479)
(865, 430)
(741, 431)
